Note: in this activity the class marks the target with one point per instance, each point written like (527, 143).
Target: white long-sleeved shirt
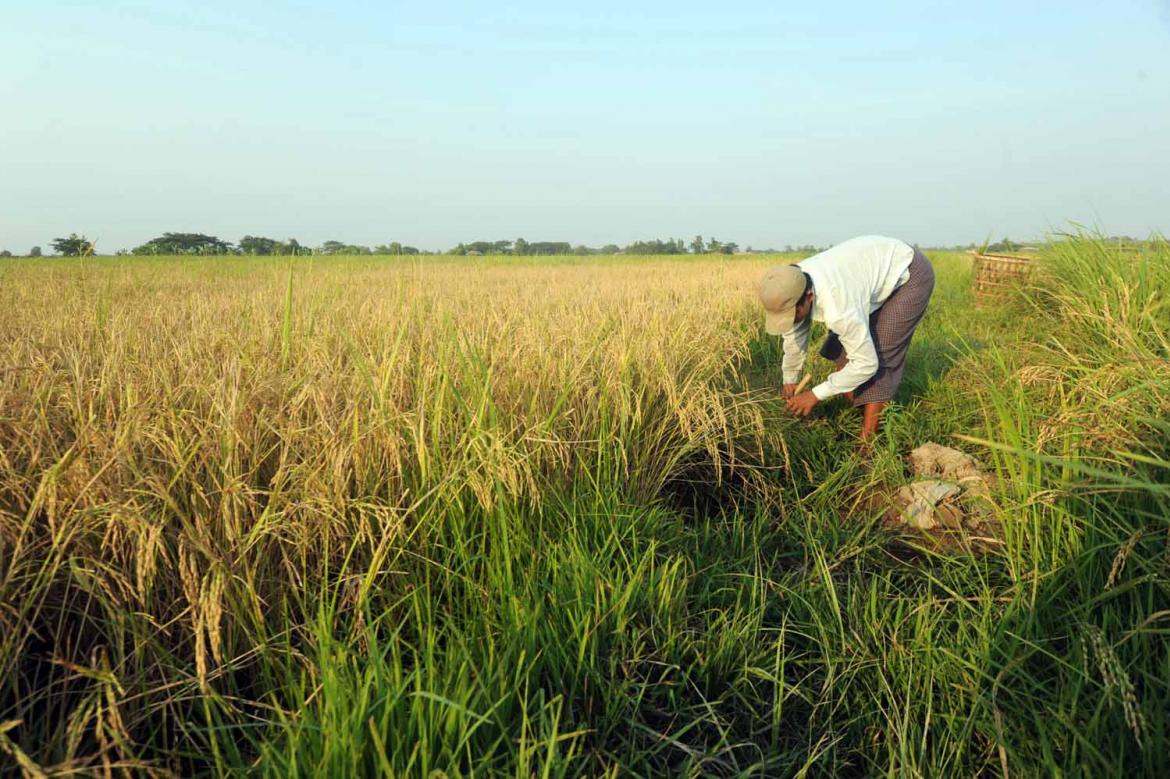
(850, 281)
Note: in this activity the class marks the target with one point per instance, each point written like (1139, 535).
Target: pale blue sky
(767, 123)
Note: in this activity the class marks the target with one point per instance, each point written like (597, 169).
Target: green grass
(640, 598)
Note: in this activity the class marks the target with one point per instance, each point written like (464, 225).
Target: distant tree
(610, 248)
(697, 244)
(394, 247)
(258, 245)
(1005, 245)
(185, 243)
(73, 246)
(520, 247)
(499, 247)
(5, 253)
(550, 247)
(713, 246)
(485, 247)
(34, 251)
(729, 248)
(582, 250)
(337, 247)
(293, 246)
(656, 246)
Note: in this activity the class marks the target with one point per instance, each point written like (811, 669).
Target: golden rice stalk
(27, 765)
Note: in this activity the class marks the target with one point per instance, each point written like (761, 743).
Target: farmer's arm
(795, 349)
(853, 332)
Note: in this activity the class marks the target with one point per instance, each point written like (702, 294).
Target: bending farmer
(871, 293)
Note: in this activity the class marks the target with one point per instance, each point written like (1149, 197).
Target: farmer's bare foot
(871, 419)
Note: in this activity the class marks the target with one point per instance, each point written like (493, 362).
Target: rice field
(535, 516)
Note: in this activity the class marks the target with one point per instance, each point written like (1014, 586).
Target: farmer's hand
(790, 391)
(802, 405)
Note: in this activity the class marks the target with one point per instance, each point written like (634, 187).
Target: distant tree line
(521, 247)
(339, 247)
(199, 244)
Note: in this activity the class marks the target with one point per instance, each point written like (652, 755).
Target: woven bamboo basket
(996, 274)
